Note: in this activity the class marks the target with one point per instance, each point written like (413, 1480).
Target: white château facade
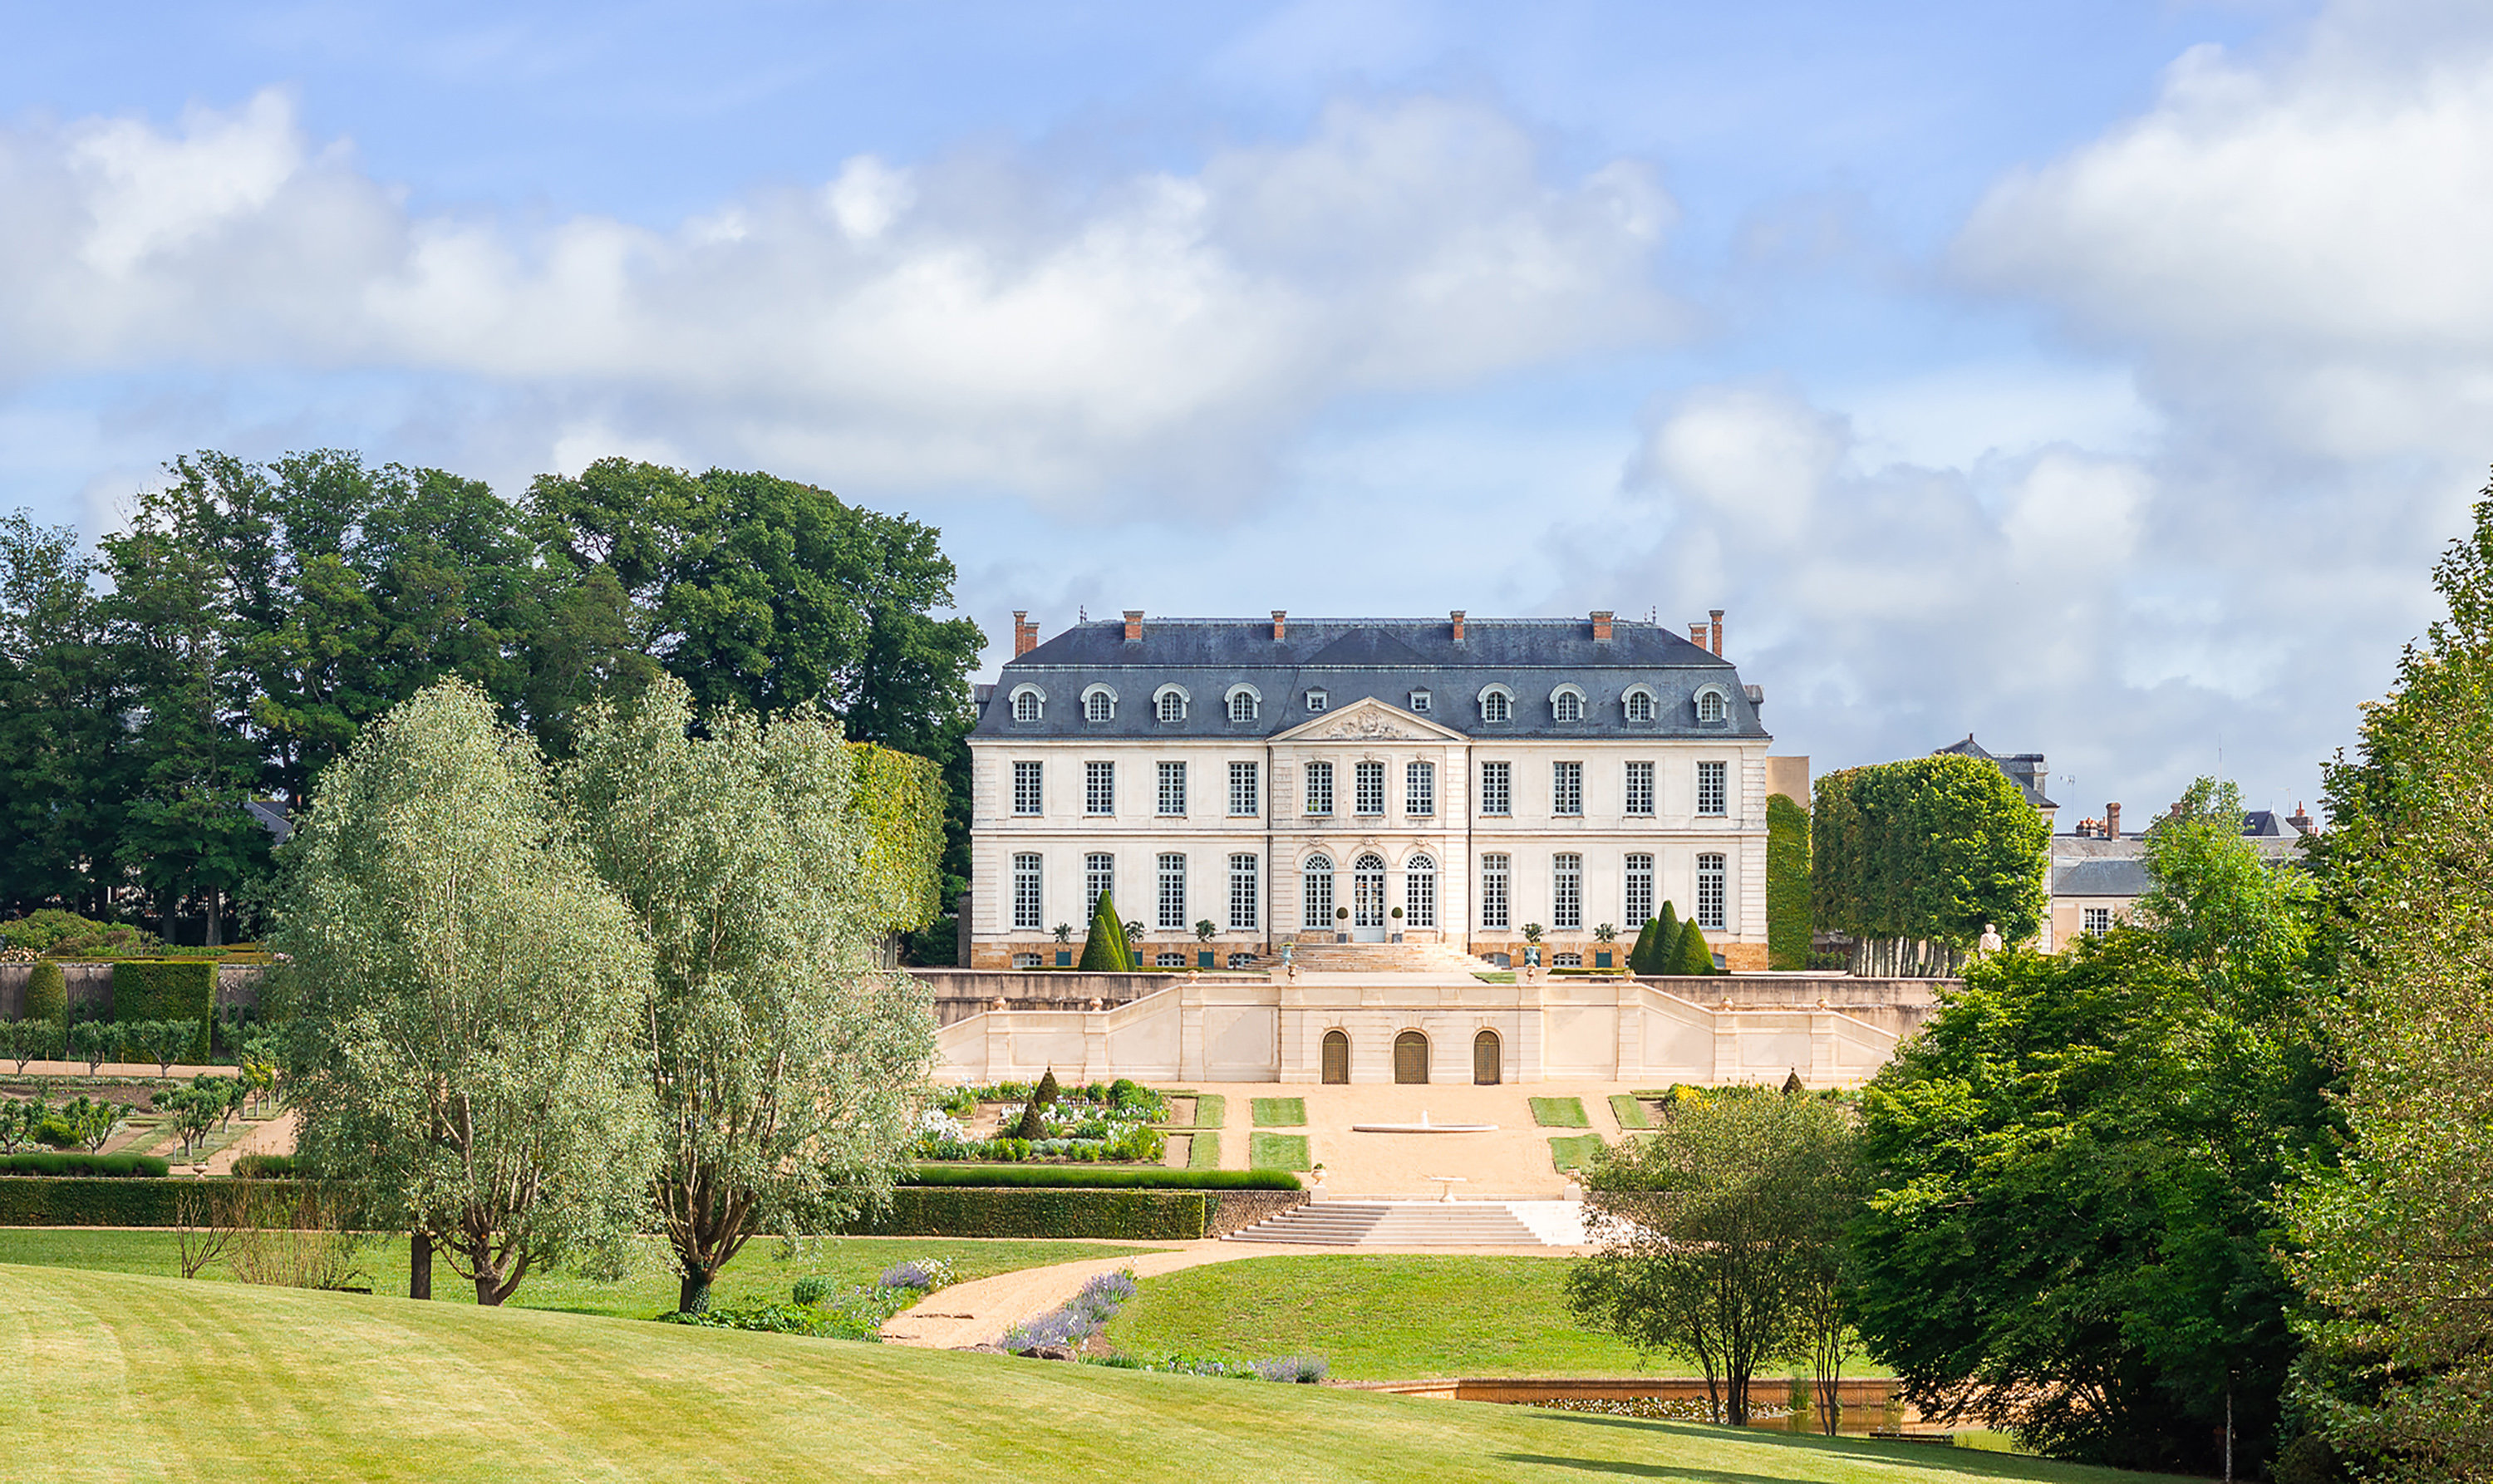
(1449, 780)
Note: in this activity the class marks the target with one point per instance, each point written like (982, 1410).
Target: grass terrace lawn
(1204, 1154)
(1276, 1152)
(156, 1379)
(1631, 1113)
(1560, 1113)
(1280, 1113)
(650, 1289)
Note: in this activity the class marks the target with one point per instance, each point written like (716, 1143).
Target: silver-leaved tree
(469, 1001)
(785, 1066)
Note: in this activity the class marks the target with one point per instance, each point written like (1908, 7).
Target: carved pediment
(1364, 725)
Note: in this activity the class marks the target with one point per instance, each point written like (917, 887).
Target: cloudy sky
(2099, 378)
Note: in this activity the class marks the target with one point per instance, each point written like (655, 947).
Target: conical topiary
(1666, 942)
(1792, 1087)
(1640, 957)
(1048, 1090)
(1695, 955)
(1105, 950)
(48, 995)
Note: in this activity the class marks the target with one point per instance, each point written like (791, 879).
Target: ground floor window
(1173, 891)
(1245, 893)
(2094, 921)
(1566, 961)
(1709, 891)
(1241, 961)
(1170, 961)
(1420, 892)
(1315, 894)
(1026, 961)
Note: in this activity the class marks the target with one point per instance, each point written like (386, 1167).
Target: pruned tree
(1914, 858)
(783, 1066)
(466, 996)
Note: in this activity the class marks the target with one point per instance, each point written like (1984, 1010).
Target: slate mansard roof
(1386, 658)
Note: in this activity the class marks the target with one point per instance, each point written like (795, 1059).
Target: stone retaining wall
(1238, 1210)
(90, 985)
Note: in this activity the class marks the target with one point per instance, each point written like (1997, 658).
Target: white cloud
(965, 320)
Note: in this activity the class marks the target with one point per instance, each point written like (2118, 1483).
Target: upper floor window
(1245, 797)
(1710, 894)
(1419, 702)
(1099, 705)
(1315, 701)
(1566, 787)
(1026, 705)
(1242, 703)
(1710, 706)
(2094, 921)
(1713, 789)
(1172, 705)
(1029, 797)
(1419, 787)
(1567, 705)
(1172, 787)
(1640, 795)
(1099, 788)
(1496, 705)
(1639, 705)
(1320, 787)
(1368, 787)
(1497, 788)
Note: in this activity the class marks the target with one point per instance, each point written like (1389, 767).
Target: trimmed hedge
(264, 1167)
(168, 990)
(1060, 1178)
(86, 1202)
(1124, 1215)
(116, 1165)
(1788, 921)
(48, 995)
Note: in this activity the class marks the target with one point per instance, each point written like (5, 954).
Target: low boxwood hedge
(1124, 1215)
(1093, 1177)
(86, 1202)
(108, 1165)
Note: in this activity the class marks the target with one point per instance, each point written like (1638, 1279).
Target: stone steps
(1394, 1223)
(1378, 959)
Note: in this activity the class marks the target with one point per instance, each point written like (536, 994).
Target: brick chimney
(1280, 617)
(1134, 625)
(1697, 635)
(2301, 822)
(2112, 821)
(1716, 645)
(1600, 626)
(1025, 633)
(1458, 625)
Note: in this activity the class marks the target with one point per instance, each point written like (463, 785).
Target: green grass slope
(159, 1379)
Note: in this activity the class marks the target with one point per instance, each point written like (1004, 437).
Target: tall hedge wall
(1787, 919)
(1928, 850)
(899, 798)
(168, 990)
(89, 1200)
(1129, 1215)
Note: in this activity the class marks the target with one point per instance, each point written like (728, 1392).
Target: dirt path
(979, 1313)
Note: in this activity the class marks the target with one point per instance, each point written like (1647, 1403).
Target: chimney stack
(1280, 617)
(1718, 632)
(2301, 822)
(1025, 633)
(2112, 821)
(1697, 635)
(1600, 626)
(1134, 625)
(1458, 626)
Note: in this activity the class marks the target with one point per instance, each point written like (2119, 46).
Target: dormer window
(1710, 706)
(1241, 704)
(1170, 704)
(1639, 704)
(1099, 705)
(1567, 704)
(1496, 705)
(1315, 701)
(1419, 702)
(1027, 704)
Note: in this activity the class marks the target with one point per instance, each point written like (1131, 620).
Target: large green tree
(1915, 858)
(63, 746)
(783, 1066)
(2076, 1169)
(468, 1000)
(2398, 1241)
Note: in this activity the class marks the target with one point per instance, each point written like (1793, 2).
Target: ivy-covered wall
(1788, 918)
(899, 797)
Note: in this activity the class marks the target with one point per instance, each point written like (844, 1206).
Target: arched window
(1710, 706)
(1410, 1057)
(1336, 1057)
(1496, 705)
(1367, 891)
(1316, 893)
(1420, 892)
(1099, 705)
(1567, 704)
(1485, 1058)
(1639, 705)
(1241, 704)
(1026, 705)
(1172, 707)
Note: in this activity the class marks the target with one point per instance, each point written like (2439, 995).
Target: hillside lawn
(145, 1378)
(756, 1275)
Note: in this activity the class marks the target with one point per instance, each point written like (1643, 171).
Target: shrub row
(1062, 1177)
(1127, 1215)
(87, 1202)
(167, 991)
(116, 1165)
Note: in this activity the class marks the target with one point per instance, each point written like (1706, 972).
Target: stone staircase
(1439, 959)
(1394, 1224)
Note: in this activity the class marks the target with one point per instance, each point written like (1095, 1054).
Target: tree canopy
(1922, 854)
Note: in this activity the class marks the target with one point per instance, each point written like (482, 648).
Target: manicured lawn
(1280, 1113)
(1211, 1110)
(156, 1379)
(1631, 1113)
(1204, 1154)
(1560, 1113)
(1569, 1155)
(1276, 1152)
(757, 1273)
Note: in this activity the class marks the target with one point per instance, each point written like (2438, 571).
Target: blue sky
(2097, 378)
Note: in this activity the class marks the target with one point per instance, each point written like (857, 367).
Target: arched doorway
(1485, 1058)
(1367, 898)
(1337, 1056)
(1420, 892)
(1410, 1057)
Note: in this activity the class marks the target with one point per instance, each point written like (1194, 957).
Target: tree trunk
(692, 1295)
(419, 1264)
(216, 934)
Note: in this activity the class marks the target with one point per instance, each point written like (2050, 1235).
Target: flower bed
(817, 1308)
(1100, 1124)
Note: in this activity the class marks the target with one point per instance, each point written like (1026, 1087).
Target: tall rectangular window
(1566, 787)
(1419, 789)
(1420, 892)
(1640, 795)
(2094, 921)
(1368, 786)
(1172, 787)
(1709, 891)
(1027, 905)
(1099, 788)
(1566, 893)
(1713, 787)
(1245, 796)
(1029, 797)
(1098, 876)
(1245, 893)
(1173, 891)
(1640, 898)
(1497, 788)
(1495, 871)
(1320, 787)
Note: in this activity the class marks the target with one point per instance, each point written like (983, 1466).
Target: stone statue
(1990, 942)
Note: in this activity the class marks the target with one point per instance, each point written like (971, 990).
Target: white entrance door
(1367, 899)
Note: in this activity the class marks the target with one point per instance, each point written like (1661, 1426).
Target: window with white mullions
(1245, 893)
(1419, 789)
(1030, 797)
(1496, 874)
(1368, 787)
(1497, 788)
(1027, 905)
(1099, 788)
(1172, 707)
(1640, 788)
(1172, 787)
(1026, 706)
(1316, 893)
(1640, 897)
(1710, 891)
(1319, 787)
(1566, 893)
(1099, 879)
(1713, 787)
(1420, 892)
(1173, 892)
(1566, 787)
(1245, 796)
(1367, 892)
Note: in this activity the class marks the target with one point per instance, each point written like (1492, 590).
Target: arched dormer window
(1496, 704)
(1243, 701)
(1099, 705)
(1638, 703)
(1029, 703)
(1567, 704)
(1169, 704)
(1711, 704)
